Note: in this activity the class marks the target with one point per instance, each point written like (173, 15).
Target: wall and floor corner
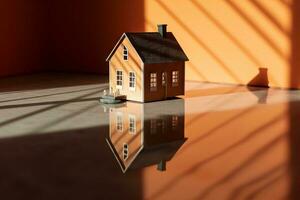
(232, 41)
(294, 106)
(239, 42)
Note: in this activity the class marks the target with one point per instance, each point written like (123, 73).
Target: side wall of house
(162, 92)
(133, 64)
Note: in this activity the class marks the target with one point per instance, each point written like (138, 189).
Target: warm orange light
(228, 41)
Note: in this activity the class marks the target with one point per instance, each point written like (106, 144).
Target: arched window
(125, 53)
(125, 151)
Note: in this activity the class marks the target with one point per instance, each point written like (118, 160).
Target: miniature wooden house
(147, 66)
(141, 135)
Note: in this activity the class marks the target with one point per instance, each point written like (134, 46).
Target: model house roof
(154, 48)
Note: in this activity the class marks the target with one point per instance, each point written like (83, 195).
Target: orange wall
(22, 31)
(65, 35)
(228, 41)
(83, 33)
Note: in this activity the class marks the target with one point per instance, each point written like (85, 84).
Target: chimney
(162, 29)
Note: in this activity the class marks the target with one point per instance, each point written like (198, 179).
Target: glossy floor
(217, 142)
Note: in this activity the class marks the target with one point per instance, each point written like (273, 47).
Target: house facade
(147, 66)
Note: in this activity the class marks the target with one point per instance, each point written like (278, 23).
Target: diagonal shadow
(122, 135)
(218, 127)
(252, 134)
(47, 81)
(48, 95)
(197, 71)
(285, 3)
(64, 118)
(238, 169)
(46, 109)
(266, 185)
(202, 44)
(48, 103)
(258, 30)
(278, 168)
(270, 17)
(193, 120)
(229, 35)
(198, 117)
(118, 59)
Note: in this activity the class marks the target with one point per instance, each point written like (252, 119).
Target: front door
(164, 83)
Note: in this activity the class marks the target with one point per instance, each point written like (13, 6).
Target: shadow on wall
(82, 33)
(261, 83)
(229, 46)
(261, 79)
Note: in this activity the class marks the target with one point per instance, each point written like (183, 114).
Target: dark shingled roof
(153, 48)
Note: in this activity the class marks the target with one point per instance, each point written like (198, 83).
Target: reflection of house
(146, 134)
(147, 66)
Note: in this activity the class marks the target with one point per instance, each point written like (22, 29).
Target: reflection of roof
(120, 161)
(153, 48)
(148, 156)
(152, 156)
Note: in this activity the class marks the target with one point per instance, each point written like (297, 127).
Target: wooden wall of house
(159, 94)
(133, 64)
(118, 138)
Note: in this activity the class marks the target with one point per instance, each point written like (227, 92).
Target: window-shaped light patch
(132, 81)
(175, 78)
(153, 81)
(119, 79)
(125, 53)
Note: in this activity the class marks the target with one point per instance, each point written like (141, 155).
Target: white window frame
(119, 122)
(132, 80)
(153, 81)
(174, 121)
(125, 151)
(175, 78)
(163, 79)
(125, 53)
(117, 79)
(132, 124)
